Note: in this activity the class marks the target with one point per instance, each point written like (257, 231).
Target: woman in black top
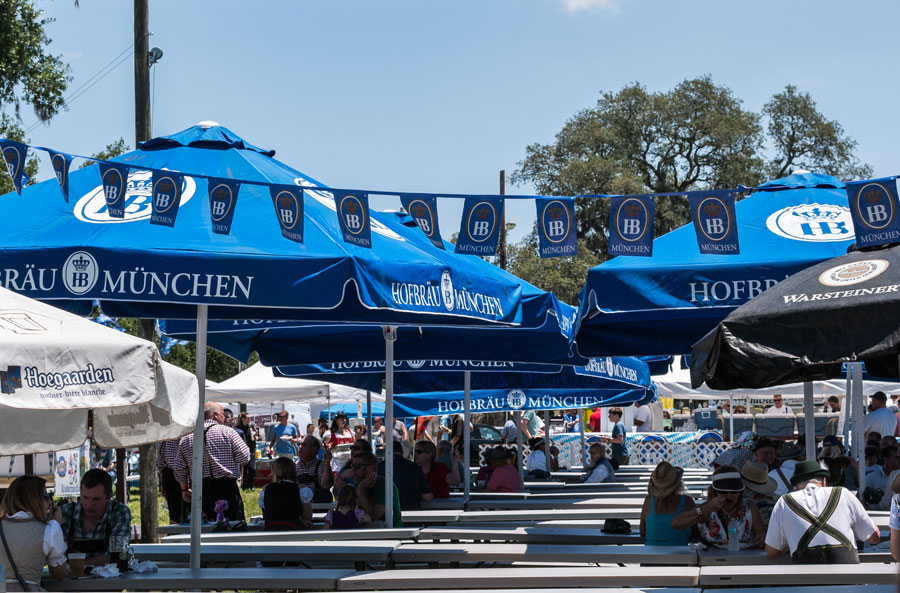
(248, 434)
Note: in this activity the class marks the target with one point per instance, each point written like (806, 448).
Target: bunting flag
(223, 194)
(873, 206)
(61, 162)
(423, 209)
(166, 197)
(631, 226)
(114, 179)
(479, 228)
(14, 154)
(288, 201)
(556, 227)
(353, 217)
(715, 222)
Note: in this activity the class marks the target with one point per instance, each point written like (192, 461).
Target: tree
(803, 138)
(112, 150)
(11, 130)
(563, 276)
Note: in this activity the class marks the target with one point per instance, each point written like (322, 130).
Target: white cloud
(607, 6)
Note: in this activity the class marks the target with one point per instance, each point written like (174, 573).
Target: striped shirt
(166, 452)
(309, 469)
(226, 452)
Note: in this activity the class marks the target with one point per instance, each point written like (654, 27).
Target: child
(347, 515)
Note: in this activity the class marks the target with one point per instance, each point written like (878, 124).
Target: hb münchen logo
(874, 206)
(556, 221)
(447, 290)
(812, 222)
(91, 207)
(714, 218)
(353, 214)
(481, 221)
(221, 202)
(515, 399)
(288, 206)
(632, 220)
(424, 217)
(80, 272)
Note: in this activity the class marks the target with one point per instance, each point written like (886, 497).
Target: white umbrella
(55, 366)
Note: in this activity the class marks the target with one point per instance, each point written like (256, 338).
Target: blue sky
(417, 95)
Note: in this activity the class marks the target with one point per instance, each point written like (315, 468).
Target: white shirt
(536, 460)
(782, 411)
(882, 421)
(885, 504)
(894, 523)
(54, 542)
(643, 414)
(306, 495)
(787, 468)
(600, 473)
(876, 478)
(850, 518)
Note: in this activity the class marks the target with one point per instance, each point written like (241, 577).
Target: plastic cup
(480, 483)
(76, 564)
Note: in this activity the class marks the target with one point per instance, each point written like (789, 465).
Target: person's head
(243, 419)
(377, 421)
(615, 414)
(363, 464)
(764, 451)
(309, 448)
(347, 497)
(808, 471)
(890, 458)
(756, 477)
(666, 415)
(26, 493)
(740, 410)
(284, 469)
(726, 406)
(789, 450)
(359, 431)
(777, 400)
(282, 417)
(597, 452)
(310, 428)
(96, 490)
(888, 441)
(834, 403)
(228, 417)
(213, 411)
(879, 400)
(536, 444)
(665, 481)
(871, 455)
(426, 452)
(497, 456)
(360, 446)
(444, 448)
(338, 424)
(727, 482)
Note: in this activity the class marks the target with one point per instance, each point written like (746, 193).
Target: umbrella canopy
(57, 366)
(74, 253)
(803, 329)
(665, 303)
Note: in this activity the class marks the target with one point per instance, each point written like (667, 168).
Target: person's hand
(456, 455)
(306, 524)
(368, 481)
(54, 514)
(713, 504)
(268, 451)
(186, 495)
(326, 456)
(98, 560)
(758, 541)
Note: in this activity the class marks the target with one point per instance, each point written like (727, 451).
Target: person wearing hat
(727, 508)
(789, 455)
(817, 524)
(498, 475)
(759, 488)
(834, 459)
(668, 513)
(880, 419)
(600, 470)
(536, 464)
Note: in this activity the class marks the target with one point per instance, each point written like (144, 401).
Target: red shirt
(437, 480)
(504, 479)
(596, 420)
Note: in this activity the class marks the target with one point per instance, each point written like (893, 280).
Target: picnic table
(552, 514)
(435, 554)
(207, 579)
(716, 557)
(359, 553)
(520, 534)
(557, 503)
(399, 533)
(797, 574)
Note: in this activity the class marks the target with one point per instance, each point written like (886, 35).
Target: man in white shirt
(877, 476)
(642, 417)
(818, 524)
(789, 456)
(779, 409)
(880, 419)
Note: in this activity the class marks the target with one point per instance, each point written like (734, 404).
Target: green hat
(808, 470)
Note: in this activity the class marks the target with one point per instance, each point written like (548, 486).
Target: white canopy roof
(259, 384)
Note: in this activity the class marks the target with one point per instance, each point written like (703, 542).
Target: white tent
(56, 366)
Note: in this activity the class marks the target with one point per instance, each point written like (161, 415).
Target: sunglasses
(420, 451)
(359, 465)
(357, 448)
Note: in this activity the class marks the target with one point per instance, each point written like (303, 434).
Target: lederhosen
(843, 553)
(89, 546)
(312, 480)
(224, 488)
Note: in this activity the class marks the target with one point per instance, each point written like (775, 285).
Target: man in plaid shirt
(89, 524)
(166, 452)
(223, 455)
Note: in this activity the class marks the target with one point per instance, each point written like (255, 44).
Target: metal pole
(731, 416)
(809, 419)
(859, 444)
(197, 461)
(501, 248)
(547, 438)
(519, 461)
(389, 336)
(581, 453)
(844, 420)
(369, 420)
(467, 437)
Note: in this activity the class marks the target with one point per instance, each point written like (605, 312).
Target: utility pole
(147, 468)
(502, 247)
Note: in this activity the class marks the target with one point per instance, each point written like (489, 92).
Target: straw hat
(756, 477)
(497, 453)
(665, 480)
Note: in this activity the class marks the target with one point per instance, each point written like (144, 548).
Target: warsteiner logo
(515, 399)
(92, 207)
(854, 272)
(80, 272)
(10, 379)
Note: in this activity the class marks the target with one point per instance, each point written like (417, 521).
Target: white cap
(207, 123)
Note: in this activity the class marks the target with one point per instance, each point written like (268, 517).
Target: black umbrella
(845, 309)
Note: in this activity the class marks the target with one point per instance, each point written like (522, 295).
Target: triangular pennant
(223, 195)
(114, 180)
(631, 226)
(479, 229)
(165, 197)
(423, 210)
(874, 209)
(14, 155)
(353, 217)
(288, 201)
(556, 227)
(715, 222)
(60, 162)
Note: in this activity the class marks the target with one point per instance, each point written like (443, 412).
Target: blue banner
(288, 201)
(353, 217)
(631, 226)
(166, 197)
(14, 154)
(556, 227)
(480, 226)
(873, 206)
(114, 179)
(423, 209)
(223, 194)
(60, 162)
(715, 223)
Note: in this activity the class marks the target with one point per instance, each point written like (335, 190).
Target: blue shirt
(282, 446)
(619, 429)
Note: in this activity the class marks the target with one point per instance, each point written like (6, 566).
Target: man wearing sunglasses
(284, 437)
(370, 488)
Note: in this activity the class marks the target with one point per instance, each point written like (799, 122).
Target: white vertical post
(581, 454)
(369, 420)
(389, 336)
(467, 436)
(197, 460)
(547, 438)
(731, 416)
(519, 436)
(844, 421)
(809, 419)
(859, 444)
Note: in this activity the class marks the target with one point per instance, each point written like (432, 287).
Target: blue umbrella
(665, 303)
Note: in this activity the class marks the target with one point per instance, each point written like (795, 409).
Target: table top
(558, 503)
(522, 552)
(317, 552)
(551, 514)
(266, 579)
(399, 533)
(716, 557)
(540, 535)
(799, 574)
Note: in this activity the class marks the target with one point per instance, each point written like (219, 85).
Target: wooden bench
(209, 579)
(436, 554)
(797, 574)
(535, 535)
(358, 554)
(522, 578)
(715, 557)
(395, 534)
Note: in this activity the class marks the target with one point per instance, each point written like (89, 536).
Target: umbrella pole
(845, 409)
(520, 462)
(197, 461)
(809, 420)
(581, 454)
(390, 334)
(859, 444)
(467, 436)
(369, 419)
(731, 416)
(547, 438)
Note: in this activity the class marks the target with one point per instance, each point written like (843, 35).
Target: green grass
(251, 506)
